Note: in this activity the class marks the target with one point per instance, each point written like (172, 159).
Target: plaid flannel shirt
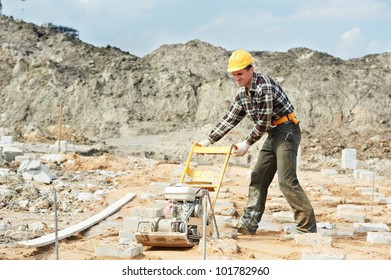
(265, 102)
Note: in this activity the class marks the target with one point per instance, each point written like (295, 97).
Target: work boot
(241, 227)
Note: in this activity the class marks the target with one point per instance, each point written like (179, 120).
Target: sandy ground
(270, 242)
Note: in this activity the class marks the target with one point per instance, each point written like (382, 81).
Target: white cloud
(348, 9)
(353, 43)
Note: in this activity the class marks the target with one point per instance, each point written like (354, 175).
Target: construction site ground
(147, 181)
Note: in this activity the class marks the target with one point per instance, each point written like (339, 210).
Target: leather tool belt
(286, 118)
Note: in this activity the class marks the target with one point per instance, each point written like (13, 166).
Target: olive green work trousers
(279, 154)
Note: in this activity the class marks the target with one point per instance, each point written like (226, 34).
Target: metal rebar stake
(205, 217)
(214, 217)
(55, 224)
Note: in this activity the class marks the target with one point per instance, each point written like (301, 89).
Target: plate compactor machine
(189, 213)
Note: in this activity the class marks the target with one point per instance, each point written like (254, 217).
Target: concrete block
(374, 194)
(323, 255)
(31, 165)
(4, 172)
(223, 221)
(159, 184)
(353, 216)
(284, 216)
(367, 227)
(313, 239)
(42, 177)
(365, 189)
(130, 224)
(379, 237)
(382, 199)
(23, 158)
(367, 176)
(54, 149)
(349, 158)
(27, 176)
(4, 226)
(289, 228)
(269, 224)
(350, 207)
(342, 180)
(147, 196)
(7, 140)
(331, 199)
(357, 172)
(230, 233)
(325, 225)
(224, 246)
(9, 153)
(118, 251)
(328, 172)
(159, 203)
(53, 157)
(147, 212)
(126, 237)
(327, 232)
(225, 208)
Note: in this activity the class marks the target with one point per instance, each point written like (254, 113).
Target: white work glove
(241, 149)
(204, 143)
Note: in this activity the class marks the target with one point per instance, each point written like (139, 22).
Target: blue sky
(342, 28)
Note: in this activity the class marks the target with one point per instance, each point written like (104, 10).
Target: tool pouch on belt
(286, 118)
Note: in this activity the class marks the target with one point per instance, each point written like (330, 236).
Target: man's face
(243, 77)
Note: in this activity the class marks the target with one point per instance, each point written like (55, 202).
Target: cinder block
(367, 175)
(284, 216)
(350, 207)
(4, 172)
(7, 140)
(55, 149)
(328, 172)
(42, 177)
(349, 158)
(9, 153)
(374, 194)
(126, 237)
(342, 180)
(289, 228)
(367, 227)
(331, 199)
(159, 203)
(326, 225)
(29, 165)
(23, 158)
(130, 224)
(352, 213)
(118, 251)
(225, 208)
(313, 239)
(353, 216)
(224, 221)
(147, 212)
(365, 190)
(385, 200)
(357, 172)
(147, 196)
(379, 237)
(323, 255)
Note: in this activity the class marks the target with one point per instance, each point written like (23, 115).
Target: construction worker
(266, 104)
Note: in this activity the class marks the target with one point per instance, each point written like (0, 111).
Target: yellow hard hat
(239, 59)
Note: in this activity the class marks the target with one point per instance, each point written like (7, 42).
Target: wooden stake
(59, 129)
